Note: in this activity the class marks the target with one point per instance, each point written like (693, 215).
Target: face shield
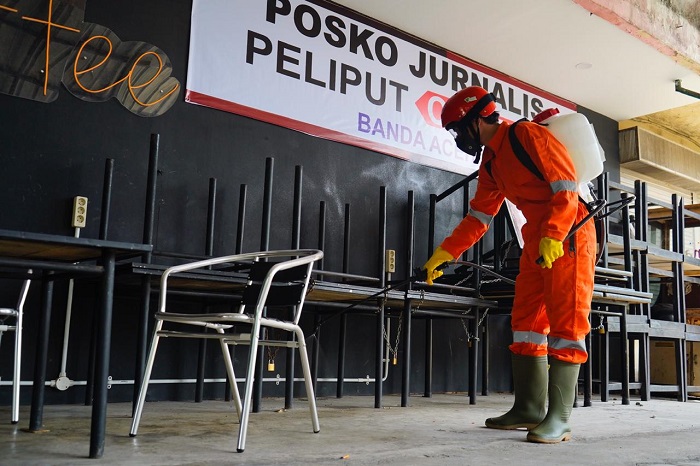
(467, 137)
(466, 129)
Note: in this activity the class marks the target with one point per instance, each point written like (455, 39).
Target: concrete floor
(442, 430)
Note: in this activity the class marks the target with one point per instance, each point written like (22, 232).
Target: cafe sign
(46, 43)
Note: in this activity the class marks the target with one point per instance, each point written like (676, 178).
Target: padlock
(271, 365)
(601, 330)
(395, 360)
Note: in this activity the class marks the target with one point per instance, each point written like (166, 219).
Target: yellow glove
(551, 249)
(439, 257)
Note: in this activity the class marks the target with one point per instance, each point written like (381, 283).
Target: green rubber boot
(530, 386)
(563, 377)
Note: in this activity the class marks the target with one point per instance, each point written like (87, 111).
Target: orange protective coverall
(552, 302)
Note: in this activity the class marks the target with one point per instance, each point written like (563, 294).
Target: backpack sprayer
(575, 133)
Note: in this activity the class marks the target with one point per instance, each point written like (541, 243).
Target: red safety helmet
(472, 100)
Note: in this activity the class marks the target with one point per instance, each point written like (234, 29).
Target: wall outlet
(80, 204)
(390, 261)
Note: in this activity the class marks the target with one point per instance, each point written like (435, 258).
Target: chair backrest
(280, 282)
(287, 288)
(276, 277)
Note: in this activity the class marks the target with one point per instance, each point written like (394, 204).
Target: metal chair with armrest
(283, 281)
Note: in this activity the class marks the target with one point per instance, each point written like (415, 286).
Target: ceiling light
(583, 66)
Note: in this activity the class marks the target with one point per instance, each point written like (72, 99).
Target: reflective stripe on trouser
(555, 302)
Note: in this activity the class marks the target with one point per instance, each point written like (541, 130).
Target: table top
(42, 246)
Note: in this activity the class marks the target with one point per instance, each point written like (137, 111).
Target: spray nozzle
(420, 274)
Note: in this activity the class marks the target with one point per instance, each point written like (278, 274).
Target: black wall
(53, 152)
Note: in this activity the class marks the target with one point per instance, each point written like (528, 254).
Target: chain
(422, 298)
(395, 349)
(601, 325)
(507, 251)
(271, 354)
(398, 332)
(486, 312)
(469, 335)
(271, 350)
(460, 282)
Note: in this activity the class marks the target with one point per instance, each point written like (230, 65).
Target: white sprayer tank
(575, 132)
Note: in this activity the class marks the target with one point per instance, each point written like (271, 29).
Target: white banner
(327, 71)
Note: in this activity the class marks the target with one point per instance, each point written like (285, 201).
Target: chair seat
(244, 339)
(216, 320)
(201, 320)
(229, 339)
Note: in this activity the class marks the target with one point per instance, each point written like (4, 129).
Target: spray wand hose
(420, 274)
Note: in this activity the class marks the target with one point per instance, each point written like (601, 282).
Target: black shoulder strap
(520, 151)
(487, 166)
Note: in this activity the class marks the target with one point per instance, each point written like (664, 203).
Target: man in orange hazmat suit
(549, 318)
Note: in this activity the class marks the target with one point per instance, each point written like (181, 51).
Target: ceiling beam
(674, 32)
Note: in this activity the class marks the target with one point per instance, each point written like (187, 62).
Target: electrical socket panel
(80, 204)
(390, 261)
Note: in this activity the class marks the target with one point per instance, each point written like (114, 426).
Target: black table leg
(604, 366)
(104, 334)
(37, 412)
(588, 374)
(315, 352)
(473, 357)
(624, 350)
(428, 392)
(341, 355)
(406, 373)
(379, 358)
(485, 356)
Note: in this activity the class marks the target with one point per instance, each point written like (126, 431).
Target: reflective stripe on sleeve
(529, 337)
(480, 216)
(563, 185)
(561, 343)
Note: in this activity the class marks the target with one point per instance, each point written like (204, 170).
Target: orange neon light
(77, 74)
(160, 68)
(49, 25)
(60, 26)
(129, 75)
(129, 79)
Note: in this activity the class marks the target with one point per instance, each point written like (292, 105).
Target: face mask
(467, 138)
